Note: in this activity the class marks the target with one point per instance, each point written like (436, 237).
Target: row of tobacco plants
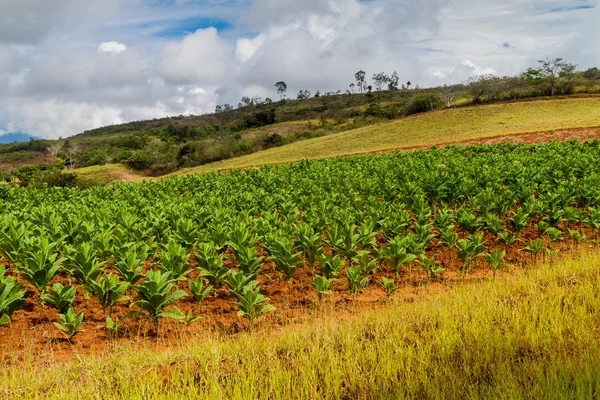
(347, 221)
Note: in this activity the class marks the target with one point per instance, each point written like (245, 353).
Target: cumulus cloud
(29, 22)
(56, 80)
(112, 47)
(202, 57)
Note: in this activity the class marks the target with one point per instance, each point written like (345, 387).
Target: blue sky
(71, 65)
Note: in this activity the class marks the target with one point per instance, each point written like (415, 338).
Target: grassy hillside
(431, 129)
(529, 336)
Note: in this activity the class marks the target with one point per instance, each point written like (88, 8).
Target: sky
(71, 65)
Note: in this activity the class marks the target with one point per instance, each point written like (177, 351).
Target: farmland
(434, 128)
(525, 336)
(249, 248)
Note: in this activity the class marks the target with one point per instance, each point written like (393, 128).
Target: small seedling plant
(155, 295)
(70, 323)
(12, 297)
(60, 297)
(252, 304)
(322, 286)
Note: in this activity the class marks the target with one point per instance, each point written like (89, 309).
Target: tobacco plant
(69, 323)
(12, 297)
(252, 304)
(155, 294)
(60, 297)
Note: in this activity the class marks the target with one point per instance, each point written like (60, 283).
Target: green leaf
(4, 320)
(173, 313)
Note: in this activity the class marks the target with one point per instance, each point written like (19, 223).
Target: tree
(592, 74)
(448, 95)
(360, 80)
(352, 87)
(483, 86)
(380, 80)
(72, 154)
(246, 102)
(550, 71)
(303, 94)
(54, 150)
(318, 94)
(408, 84)
(281, 89)
(393, 81)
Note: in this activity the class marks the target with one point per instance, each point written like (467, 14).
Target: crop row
(149, 245)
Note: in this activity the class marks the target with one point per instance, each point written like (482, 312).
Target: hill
(259, 131)
(435, 128)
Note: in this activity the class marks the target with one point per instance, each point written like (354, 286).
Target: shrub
(422, 103)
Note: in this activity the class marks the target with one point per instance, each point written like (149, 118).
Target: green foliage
(190, 318)
(494, 259)
(284, 256)
(331, 266)
(211, 267)
(83, 265)
(112, 327)
(236, 281)
(69, 323)
(321, 285)
(252, 304)
(396, 253)
(366, 264)
(60, 297)
(40, 263)
(576, 236)
(108, 290)
(356, 279)
(198, 289)
(155, 294)
(174, 259)
(534, 247)
(468, 249)
(422, 103)
(12, 297)
(429, 266)
(129, 262)
(389, 285)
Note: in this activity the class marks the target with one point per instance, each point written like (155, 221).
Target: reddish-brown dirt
(32, 333)
(581, 134)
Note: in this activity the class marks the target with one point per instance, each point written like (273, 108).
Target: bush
(140, 160)
(422, 103)
(274, 140)
(58, 179)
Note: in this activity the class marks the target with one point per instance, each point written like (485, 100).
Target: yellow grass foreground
(531, 335)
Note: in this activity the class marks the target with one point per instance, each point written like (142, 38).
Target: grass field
(106, 174)
(531, 335)
(431, 129)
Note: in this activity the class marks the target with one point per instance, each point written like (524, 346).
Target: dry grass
(533, 335)
(431, 129)
(106, 174)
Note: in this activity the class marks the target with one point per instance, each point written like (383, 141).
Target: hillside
(439, 127)
(262, 131)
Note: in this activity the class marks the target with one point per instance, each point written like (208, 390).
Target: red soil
(32, 333)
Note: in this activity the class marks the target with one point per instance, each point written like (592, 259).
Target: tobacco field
(197, 246)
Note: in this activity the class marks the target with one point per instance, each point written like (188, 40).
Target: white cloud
(246, 48)
(112, 47)
(202, 58)
(199, 91)
(56, 80)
